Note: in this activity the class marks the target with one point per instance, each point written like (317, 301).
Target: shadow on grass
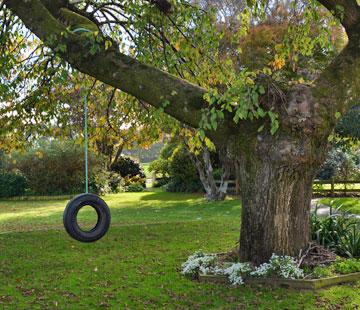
(126, 209)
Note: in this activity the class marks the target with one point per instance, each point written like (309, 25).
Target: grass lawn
(145, 167)
(351, 205)
(136, 265)
(338, 186)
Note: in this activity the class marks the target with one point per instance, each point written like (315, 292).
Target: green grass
(136, 265)
(145, 167)
(338, 186)
(351, 205)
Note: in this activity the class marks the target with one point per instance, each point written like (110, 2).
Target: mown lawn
(136, 265)
(145, 167)
(351, 205)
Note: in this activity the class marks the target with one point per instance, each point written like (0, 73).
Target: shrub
(199, 262)
(126, 167)
(322, 272)
(340, 163)
(116, 182)
(12, 184)
(282, 266)
(161, 182)
(57, 167)
(338, 233)
(175, 164)
(348, 125)
(236, 272)
(134, 188)
(160, 166)
(106, 182)
(134, 180)
(349, 243)
(179, 185)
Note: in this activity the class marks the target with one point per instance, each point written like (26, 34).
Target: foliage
(322, 272)
(290, 42)
(340, 266)
(341, 164)
(160, 166)
(127, 167)
(199, 262)
(135, 187)
(345, 266)
(236, 271)
(282, 266)
(161, 182)
(12, 184)
(181, 186)
(106, 182)
(348, 126)
(116, 182)
(175, 164)
(337, 232)
(135, 180)
(55, 167)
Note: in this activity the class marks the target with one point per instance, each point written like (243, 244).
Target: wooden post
(332, 187)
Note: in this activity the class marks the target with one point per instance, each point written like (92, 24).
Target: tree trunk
(276, 197)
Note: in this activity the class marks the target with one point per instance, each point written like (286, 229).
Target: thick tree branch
(338, 86)
(109, 65)
(347, 11)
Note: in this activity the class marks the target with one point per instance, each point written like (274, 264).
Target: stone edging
(306, 284)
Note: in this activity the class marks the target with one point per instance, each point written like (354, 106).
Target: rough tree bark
(276, 172)
(276, 175)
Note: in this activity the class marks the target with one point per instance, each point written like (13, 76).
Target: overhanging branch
(184, 100)
(347, 11)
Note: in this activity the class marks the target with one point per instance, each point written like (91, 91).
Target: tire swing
(73, 207)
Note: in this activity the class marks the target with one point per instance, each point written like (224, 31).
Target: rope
(86, 142)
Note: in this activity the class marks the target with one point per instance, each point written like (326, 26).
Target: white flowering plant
(200, 262)
(236, 272)
(282, 266)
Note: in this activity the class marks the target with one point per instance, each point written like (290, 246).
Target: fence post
(332, 187)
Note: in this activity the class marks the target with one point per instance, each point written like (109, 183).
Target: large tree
(276, 167)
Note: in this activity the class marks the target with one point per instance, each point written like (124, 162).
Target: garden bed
(306, 284)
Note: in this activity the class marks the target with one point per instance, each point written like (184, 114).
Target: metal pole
(86, 145)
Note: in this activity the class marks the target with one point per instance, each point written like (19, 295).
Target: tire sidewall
(70, 218)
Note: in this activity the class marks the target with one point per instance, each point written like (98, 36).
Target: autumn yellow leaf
(177, 46)
(278, 63)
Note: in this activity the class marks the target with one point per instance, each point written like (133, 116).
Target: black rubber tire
(70, 218)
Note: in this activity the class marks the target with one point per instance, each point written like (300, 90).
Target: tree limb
(347, 11)
(338, 86)
(110, 65)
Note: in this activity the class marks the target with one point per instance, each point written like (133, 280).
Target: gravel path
(324, 210)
